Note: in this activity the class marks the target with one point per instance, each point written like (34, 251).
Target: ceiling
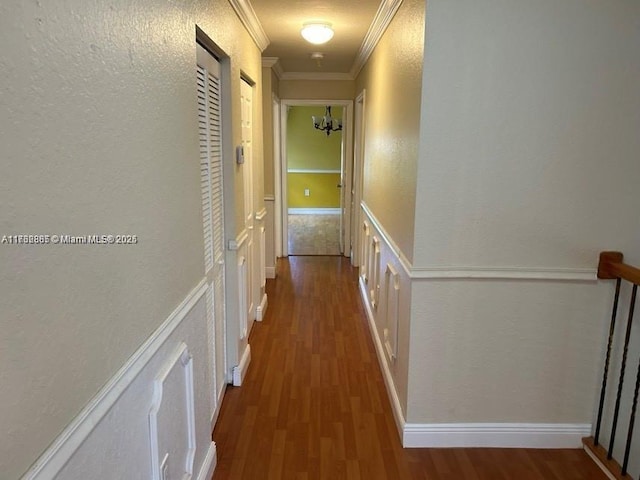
(282, 20)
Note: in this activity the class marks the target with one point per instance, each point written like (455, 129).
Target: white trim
(72, 437)
(239, 240)
(384, 15)
(600, 465)
(240, 370)
(269, 198)
(481, 272)
(216, 412)
(269, 62)
(270, 272)
(356, 178)
(209, 464)
(396, 408)
(249, 19)
(495, 435)
(313, 211)
(404, 261)
(185, 359)
(506, 273)
(261, 214)
(317, 76)
(281, 185)
(262, 308)
(311, 170)
(274, 64)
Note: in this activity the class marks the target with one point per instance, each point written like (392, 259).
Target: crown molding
(249, 19)
(381, 21)
(274, 64)
(269, 62)
(316, 76)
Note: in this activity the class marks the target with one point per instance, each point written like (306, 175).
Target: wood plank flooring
(314, 404)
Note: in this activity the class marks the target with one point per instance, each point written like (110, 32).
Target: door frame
(346, 166)
(277, 155)
(357, 179)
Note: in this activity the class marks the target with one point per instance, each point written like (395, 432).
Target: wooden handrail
(611, 266)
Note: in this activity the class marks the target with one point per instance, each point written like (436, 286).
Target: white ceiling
(282, 21)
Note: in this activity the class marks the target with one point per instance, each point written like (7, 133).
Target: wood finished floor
(314, 405)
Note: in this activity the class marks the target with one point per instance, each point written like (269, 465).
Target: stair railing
(612, 267)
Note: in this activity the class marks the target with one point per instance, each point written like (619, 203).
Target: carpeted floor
(314, 235)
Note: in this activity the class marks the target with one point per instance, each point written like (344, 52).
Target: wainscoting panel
(172, 424)
(387, 300)
(366, 238)
(392, 303)
(374, 271)
(148, 406)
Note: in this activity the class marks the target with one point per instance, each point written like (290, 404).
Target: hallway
(314, 404)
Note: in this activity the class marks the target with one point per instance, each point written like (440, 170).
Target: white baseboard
(209, 464)
(382, 360)
(270, 272)
(262, 308)
(495, 435)
(450, 435)
(240, 370)
(314, 211)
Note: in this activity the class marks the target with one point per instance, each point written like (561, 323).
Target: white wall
(529, 133)
(528, 168)
(99, 135)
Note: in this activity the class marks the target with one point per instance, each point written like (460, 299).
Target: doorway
(315, 167)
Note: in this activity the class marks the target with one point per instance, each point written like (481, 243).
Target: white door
(246, 98)
(211, 181)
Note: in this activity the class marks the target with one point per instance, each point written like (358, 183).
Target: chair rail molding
(457, 272)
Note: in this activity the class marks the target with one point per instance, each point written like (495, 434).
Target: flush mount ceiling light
(317, 32)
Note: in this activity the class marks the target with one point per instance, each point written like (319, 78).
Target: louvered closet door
(211, 181)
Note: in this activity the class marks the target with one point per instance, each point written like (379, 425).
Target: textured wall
(317, 89)
(392, 79)
(98, 135)
(528, 160)
(529, 133)
(485, 351)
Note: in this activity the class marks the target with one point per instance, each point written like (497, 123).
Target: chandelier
(326, 123)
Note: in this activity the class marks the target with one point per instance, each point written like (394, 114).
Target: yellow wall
(323, 190)
(308, 148)
(392, 78)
